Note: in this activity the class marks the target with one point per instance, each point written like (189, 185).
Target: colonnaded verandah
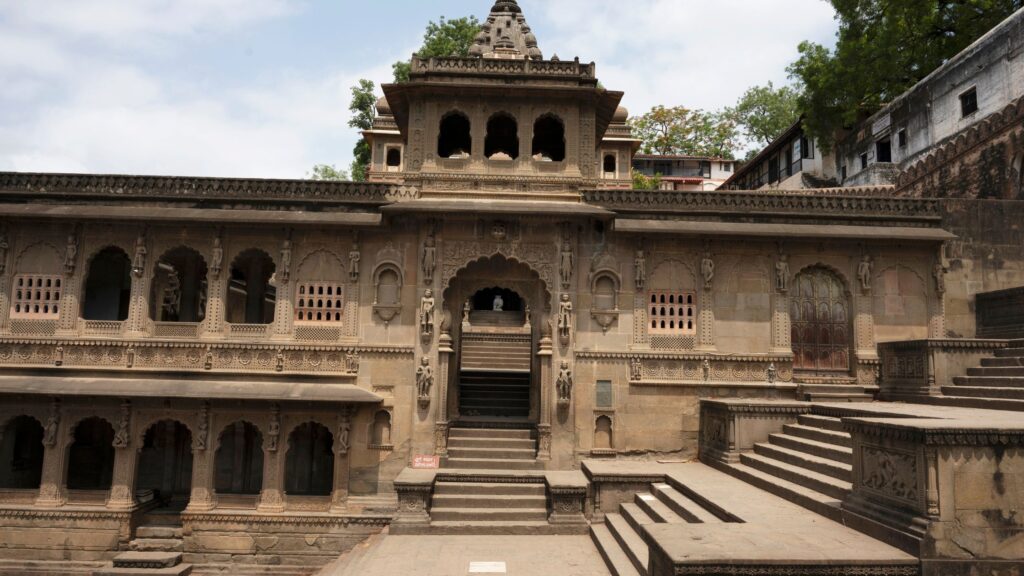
(497, 335)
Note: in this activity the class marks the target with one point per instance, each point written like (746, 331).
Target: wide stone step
(447, 501)
(813, 447)
(800, 495)
(841, 397)
(495, 392)
(682, 505)
(989, 381)
(1015, 351)
(493, 453)
(494, 464)
(179, 570)
(615, 557)
(823, 422)
(1002, 393)
(1002, 362)
(984, 403)
(656, 509)
(631, 542)
(159, 532)
(1016, 371)
(147, 560)
(515, 443)
(509, 433)
(489, 489)
(819, 435)
(489, 514)
(156, 545)
(826, 485)
(636, 516)
(837, 470)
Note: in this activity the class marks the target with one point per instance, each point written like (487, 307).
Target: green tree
(883, 48)
(444, 38)
(364, 110)
(643, 182)
(327, 172)
(681, 131)
(765, 112)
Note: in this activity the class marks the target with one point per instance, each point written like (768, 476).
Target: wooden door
(820, 317)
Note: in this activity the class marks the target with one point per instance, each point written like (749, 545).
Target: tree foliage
(364, 110)
(685, 132)
(642, 181)
(327, 172)
(884, 47)
(765, 112)
(444, 38)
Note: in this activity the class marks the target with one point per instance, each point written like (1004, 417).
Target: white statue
(565, 318)
(427, 305)
(864, 272)
(499, 303)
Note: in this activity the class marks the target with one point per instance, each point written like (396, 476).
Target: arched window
(502, 141)
(21, 454)
(165, 461)
(251, 297)
(238, 464)
(610, 165)
(310, 462)
(108, 287)
(91, 456)
(549, 139)
(393, 159)
(388, 286)
(381, 431)
(603, 439)
(179, 287)
(604, 293)
(454, 139)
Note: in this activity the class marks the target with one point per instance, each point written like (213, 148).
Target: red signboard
(424, 462)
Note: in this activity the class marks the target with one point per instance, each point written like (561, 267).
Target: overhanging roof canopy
(686, 228)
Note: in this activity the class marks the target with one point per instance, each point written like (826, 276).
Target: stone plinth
(730, 427)
(917, 369)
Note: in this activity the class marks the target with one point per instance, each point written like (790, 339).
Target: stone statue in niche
(466, 309)
(636, 370)
(352, 362)
(274, 430)
(139, 259)
(71, 254)
(499, 303)
(707, 269)
(640, 269)
(939, 272)
(564, 384)
(344, 434)
(424, 381)
(203, 427)
(499, 231)
(286, 260)
(705, 370)
(427, 308)
(52, 425)
(568, 263)
(429, 262)
(122, 437)
(782, 274)
(216, 257)
(864, 271)
(564, 318)
(5, 247)
(354, 257)
(773, 373)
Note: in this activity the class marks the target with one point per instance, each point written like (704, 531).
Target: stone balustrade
(917, 369)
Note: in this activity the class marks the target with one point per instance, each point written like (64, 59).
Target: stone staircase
(492, 449)
(489, 506)
(620, 539)
(157, 550)
(997, 384)
(835, 389)
(810, 463)
(494, 394)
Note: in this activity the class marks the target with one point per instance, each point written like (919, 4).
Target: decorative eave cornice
(670, 355)
(757, 408)
(946, 344)
(905, 429)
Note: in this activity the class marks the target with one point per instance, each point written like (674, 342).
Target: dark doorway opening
(502, 138)
(21, 454)
(484, 300)
(165, 461)
(454, 140)
(91, 456)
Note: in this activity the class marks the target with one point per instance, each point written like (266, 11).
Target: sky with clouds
(260, 88)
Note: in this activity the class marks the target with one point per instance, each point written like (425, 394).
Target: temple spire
(505, 34)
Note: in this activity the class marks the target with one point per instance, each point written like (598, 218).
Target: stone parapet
(919, 368)
(729, 427)
(567, 495)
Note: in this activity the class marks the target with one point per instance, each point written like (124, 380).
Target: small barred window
(672, 313)
(319, 302)
(36, 297)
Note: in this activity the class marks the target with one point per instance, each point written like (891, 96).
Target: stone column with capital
(202, 496)
(272, 494)
(342, 462)
(52, 491)
(545, 353)
(138, 307)
(445, 353)
(214, 321)
(782, 329)
(122, 488)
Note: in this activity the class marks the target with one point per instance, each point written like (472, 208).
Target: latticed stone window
(672, 313)
(36, 296)
(319, 302)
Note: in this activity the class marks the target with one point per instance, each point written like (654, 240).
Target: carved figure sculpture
(203, 427)
(705, 370)
(568, 263)
(939, 272)
(424, 381)
(499, 303)
(636, 370)
(782, 274)
(217, 257)
(466, 309)
(427, 305)
(71, 254)
(286, 260)
(139, 259)
(274, 430)
(707, 269)
(122, 437)
(864, 272)
(640, 269)
(5, 247)
(564, 318)
(344, 434)
(564, 384)
(52, 425)
(773, 373)
(352, 362)
(429, 262)
(353, 262)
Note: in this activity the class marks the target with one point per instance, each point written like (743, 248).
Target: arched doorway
(499, 304)
(165, 462)
(820, 318)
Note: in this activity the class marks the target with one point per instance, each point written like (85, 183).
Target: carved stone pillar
(864, 327)
(937, 316)
(272, 494)
(52, 493)
(352, 300)
(706, 321)
(215, 306)
(445, 354)
(283, 311)
(201, 498)
(342, 462)
(122, 488)
(545, 354)
(138, 307)
(67, 325)
(782, 330)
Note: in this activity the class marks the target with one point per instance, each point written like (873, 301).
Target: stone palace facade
(261, 359)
